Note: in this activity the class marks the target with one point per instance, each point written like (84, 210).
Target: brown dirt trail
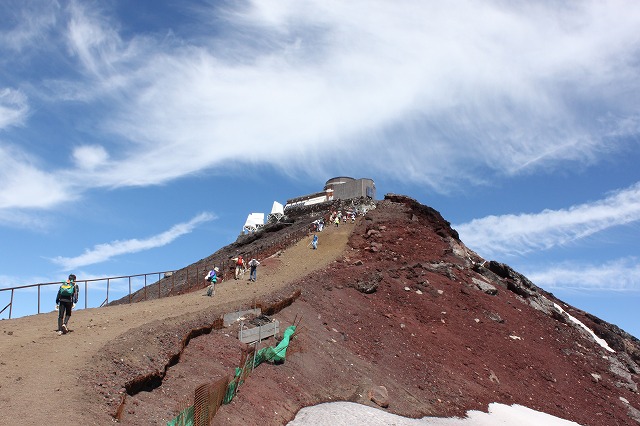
(40, 371)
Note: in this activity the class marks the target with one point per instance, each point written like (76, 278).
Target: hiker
(337, 221)
(314, 242)
(65, 301)
(212, 277)
(253, 272)
(240, 266)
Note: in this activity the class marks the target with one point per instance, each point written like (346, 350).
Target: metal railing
(108, 281)
(188, 278)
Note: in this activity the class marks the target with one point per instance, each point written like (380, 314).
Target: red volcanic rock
(394, 299)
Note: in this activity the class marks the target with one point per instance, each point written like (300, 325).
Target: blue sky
(137, 136)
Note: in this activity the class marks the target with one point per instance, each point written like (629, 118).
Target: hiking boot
(65, 330)
(59, 333)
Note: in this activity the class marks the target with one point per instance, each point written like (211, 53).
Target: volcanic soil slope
(393, 306)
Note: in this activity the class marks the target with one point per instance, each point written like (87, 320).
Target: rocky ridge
(394, 312)
(411, 320)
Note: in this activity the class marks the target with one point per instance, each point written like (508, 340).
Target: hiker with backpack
(212, 278)
(65, 301)
(240, 266)
(253, 273)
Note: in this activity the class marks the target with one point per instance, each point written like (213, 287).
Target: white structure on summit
(254, 222)
(337, 188)
(277, 213)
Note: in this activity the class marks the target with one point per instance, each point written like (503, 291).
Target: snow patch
(598, 340)
(352, 414)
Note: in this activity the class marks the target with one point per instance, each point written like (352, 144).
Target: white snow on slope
(598, 340)
(352, 414)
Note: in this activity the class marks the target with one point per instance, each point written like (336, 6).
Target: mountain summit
(393, 311)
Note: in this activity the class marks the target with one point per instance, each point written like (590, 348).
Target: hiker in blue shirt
(65, 301)
(212, 277)
(314, 242)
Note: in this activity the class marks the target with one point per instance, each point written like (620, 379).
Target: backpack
(67, 289)
(239, 261)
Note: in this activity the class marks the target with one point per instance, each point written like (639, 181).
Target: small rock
(495, 317)
(485, 287)
(380, 396)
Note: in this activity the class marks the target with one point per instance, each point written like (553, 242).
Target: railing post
(108, 282)
(38, 298)
(159, 295)
(129, 289)
(86, 294)
(145, 286)
(11, 305)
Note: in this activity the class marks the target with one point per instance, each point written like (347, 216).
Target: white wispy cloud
(26, 184)
(517, 234)
(103, 252)
(617, 275)
(14, 107)
(449, 94)
(31, 21)
(90, 156)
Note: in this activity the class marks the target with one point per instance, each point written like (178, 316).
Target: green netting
(233, 385)
(278, 353)
(185, 418)
(269, 354)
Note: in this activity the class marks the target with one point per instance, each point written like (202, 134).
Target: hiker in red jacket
(240, 266)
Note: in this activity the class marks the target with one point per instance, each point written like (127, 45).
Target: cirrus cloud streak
(518, 234)
(106, 251)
